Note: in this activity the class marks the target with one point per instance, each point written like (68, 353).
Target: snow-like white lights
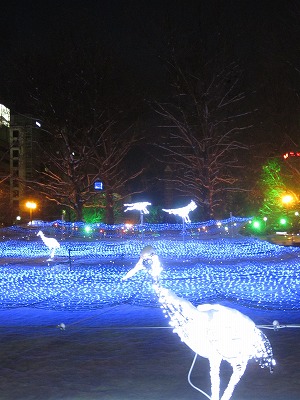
(183, 212)
(210, 330)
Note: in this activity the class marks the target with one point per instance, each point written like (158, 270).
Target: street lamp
(287, 199)
(31, 205)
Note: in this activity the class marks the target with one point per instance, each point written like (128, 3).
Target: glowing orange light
(287, 199)
(31, 205)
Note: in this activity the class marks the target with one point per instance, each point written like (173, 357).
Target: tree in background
(273, 188)
(202, 139)
(278, 195)
(66, 176)
(88, 126)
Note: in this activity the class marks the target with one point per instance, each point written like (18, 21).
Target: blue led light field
(88, 274)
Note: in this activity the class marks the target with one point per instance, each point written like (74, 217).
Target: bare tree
(74, 160)
(109, 150)
(78, 94)
(65, 176)
(202, 139)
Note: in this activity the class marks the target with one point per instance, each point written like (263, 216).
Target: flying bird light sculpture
(183, 212)
(210, 330)
(140, 206)
(51, 243)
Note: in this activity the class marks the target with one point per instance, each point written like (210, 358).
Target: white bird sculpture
(210, 330)
(140, 206)
(183, 212)
(51, 243)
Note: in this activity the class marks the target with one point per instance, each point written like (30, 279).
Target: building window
(15, 134)
(15, 183)
(15, 163)
(15, 153)
(15, 193)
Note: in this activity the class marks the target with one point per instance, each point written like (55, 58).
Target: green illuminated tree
(274, 184)
(273, 187)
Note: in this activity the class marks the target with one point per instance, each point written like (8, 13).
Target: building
(19, 162)
(4, 163)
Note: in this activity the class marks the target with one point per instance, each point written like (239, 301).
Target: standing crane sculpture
(51, 243)
(212, 331)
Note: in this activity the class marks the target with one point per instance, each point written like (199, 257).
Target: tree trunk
(79, 209)
(109, 209)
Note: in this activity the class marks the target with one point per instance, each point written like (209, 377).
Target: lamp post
(31, 205)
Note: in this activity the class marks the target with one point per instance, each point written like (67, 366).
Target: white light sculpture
(51, 243)
(210, 330)
(140, 206)
(61, 326)
(183, 212)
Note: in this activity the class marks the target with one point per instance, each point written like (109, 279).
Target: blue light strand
(243, 270)
(101, 230)
(212, 250)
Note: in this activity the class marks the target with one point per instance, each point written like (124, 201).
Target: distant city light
(98, 185)
(4, 115)
(291, 154)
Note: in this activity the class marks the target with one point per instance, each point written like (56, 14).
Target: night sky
(139, 38)
(261, 36)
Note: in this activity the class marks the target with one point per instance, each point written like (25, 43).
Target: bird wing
(232, 334)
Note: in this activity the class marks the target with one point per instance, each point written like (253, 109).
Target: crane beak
(138, 267)
(145, 262)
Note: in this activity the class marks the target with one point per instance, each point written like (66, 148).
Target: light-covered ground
(116, 344)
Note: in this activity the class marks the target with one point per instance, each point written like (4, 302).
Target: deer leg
(238, 372)
(215, 378)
